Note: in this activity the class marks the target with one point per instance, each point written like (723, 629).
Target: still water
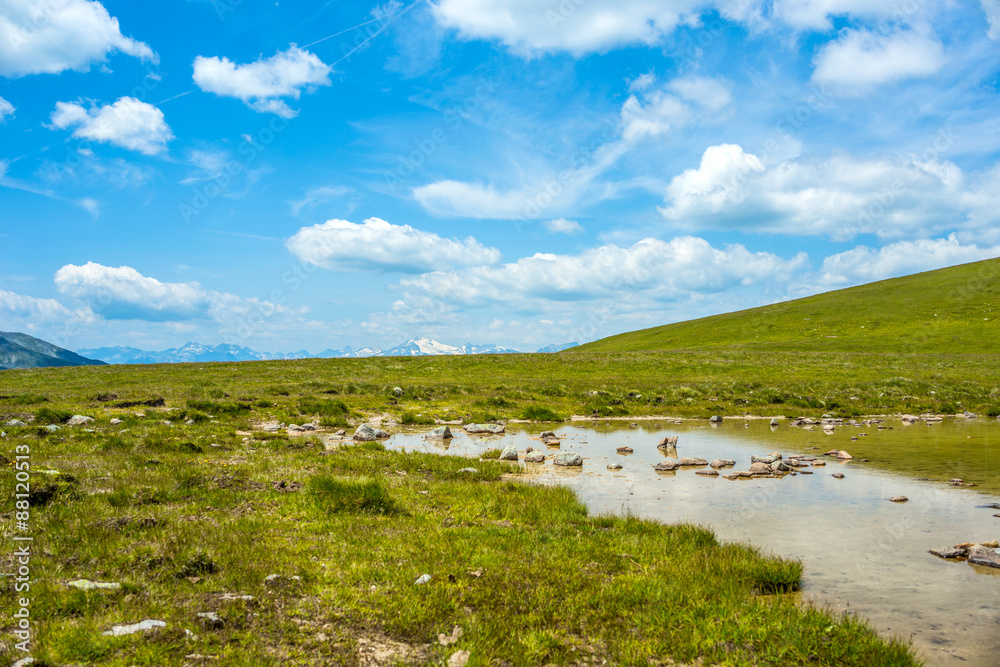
(863, 554)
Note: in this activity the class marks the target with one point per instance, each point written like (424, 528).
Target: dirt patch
(374, 651)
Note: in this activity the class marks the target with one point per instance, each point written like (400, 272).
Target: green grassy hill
(953, 310)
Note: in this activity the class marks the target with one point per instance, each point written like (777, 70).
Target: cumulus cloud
(15, 306)
(123, 293)
(839, 197)
(563, 226)
(378, 245)
(864, 264)
(6, 110)
(859, 60)
(262, 83)
(659, 270)
(128, 123)
(816, 14)
(46, 36)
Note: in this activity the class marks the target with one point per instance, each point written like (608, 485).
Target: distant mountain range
(18, 350)
(195, 352)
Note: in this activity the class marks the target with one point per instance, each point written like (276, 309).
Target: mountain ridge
(19, 350)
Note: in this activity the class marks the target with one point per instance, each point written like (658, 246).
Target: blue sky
(523, 172)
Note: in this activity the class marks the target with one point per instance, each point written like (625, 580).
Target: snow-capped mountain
(196, 352)
(556, 348)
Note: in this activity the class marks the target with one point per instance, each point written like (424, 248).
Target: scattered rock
(819, 464)
(142, 626)
(769, 459)
(690, 461)
(24, 662)
(950, 552)
(295, 428)
(990, 506)
(79, 420)
(615, 466)
(551, 441)
(422, 579)
(983, 555)
(397, 391)
(669, 442)
(665, 465)
(838, 475)
(547, 434)
(624, 450)
(568, 459)
(760, 468)
(775, 422)
(737, 474)
(87, 585)
(442, 433)
(447, 640)
(459, 659)
(707, 473)
(280, 580)
(14, 423)
(490, 429)
(722, 463)
(366, 433)
(51, 428)
(210, 620)
(115, 421)
(844, 456)
(898, 499)
(909, 419)
(536, 456)
(780, 466)
(509, 454)
(715, 419)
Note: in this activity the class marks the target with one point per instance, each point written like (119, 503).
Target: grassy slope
(522, 569)
(952, 310)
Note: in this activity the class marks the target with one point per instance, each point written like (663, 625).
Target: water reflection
(863, 554)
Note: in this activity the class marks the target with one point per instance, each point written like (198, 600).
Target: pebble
(624, 450)
(838, 475)
(615, 466)
(422, 579)
(898, 499)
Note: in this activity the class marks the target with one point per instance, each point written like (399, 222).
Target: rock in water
(366, 433)
(668, 464)
(669, 442)
(715, 419)
(480, 429)
(440, 433)
(898, 499)
(624, 450)
(844, 456)
(838, 475)
(760, 468)
(508, 454)
(780, 466)
(983, 555)
(722, 463)
(691, 461)
(568, 459)
(707, 473)
(769, 459)
(775, 422)
(950, 552)
(536, 456)
(615, 466)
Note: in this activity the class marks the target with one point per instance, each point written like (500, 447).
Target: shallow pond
(863, 554)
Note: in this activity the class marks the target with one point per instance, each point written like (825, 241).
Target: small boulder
(669, 442)
(551, 441)
(715, 419)
(775, 422)
(780, 466)
(950, 552)
(508, 454)
(898, 499)
(115, 421)
(469, 470)
(665, 465)
(367, 433)
(838, 475)
(624, 450)
(422, 579)
(690, 461)
(760, 468)
(769, 459)
(536, 456)
(443, 433)
(484, 429)
(295, 428)
(79, 420)
(722, 463)
(568, 459)
(547, 434)
(844, 456)
(984, 555)
(141, 626)
(615, 466)
(14, 423)
(210, 620)
(397, 391)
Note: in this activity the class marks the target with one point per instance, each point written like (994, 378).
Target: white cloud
(262, 83)
(563, 226)
(860, 60)
(51, 36)
(654, 112)
(19, 307)
(378, 245)
(533, 26)
(840, 197)
(992, 9)
(123, 293)
(658, 270)
(128, 123)
(816, 14)
(317, 196)
(6, 110)
(863, 264)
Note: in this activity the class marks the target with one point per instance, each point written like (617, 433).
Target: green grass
(526, 573)
(950, 310)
